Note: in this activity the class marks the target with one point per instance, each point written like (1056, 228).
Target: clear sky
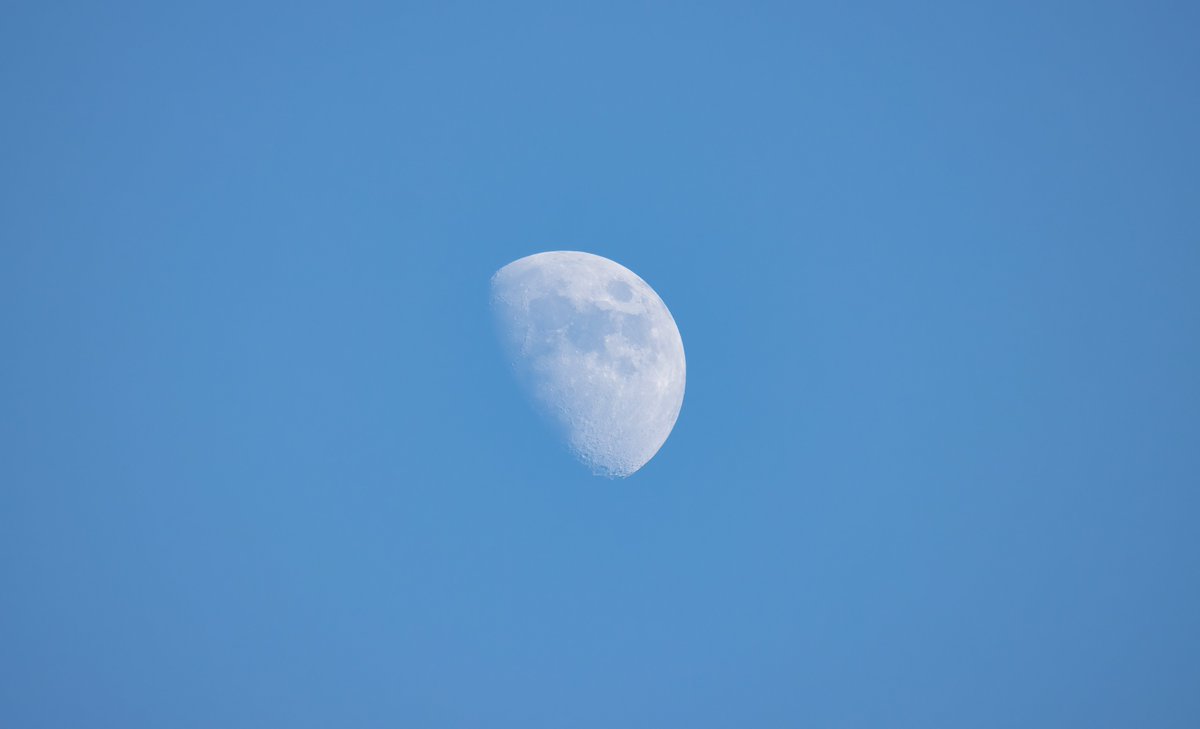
(937, 272)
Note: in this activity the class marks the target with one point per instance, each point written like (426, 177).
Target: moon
(597, 351)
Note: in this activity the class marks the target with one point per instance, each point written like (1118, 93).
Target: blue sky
(935, 268)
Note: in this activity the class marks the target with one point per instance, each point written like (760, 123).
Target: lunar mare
(598, 352)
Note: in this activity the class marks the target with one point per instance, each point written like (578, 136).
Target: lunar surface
(597, 351)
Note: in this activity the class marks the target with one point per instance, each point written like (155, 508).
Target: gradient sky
(937, 272)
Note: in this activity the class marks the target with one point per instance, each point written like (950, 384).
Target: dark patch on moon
(620, 290)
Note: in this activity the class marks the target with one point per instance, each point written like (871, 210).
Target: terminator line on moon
(598, 352)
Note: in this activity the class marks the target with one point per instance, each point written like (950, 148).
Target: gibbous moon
(597, 351)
